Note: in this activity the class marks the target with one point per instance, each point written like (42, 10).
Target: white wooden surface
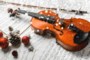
(44, 48)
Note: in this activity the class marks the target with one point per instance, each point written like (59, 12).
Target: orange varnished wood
(67, 38)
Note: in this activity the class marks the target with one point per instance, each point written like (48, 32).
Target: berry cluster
(14, 40)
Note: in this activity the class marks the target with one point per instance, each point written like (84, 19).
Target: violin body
(65, 35)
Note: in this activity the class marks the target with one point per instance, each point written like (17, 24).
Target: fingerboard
(42, 17)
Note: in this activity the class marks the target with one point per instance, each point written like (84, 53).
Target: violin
(72, 34)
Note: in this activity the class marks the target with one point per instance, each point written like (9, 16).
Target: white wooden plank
(44, 48)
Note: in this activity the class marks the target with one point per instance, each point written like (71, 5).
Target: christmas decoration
(31, 48)
(1, 34)
(13, 13)
(3, 42)
(15, 53)
(14, 40)
(14, 37)
(10, 10)
(25, 40)
(10, 28)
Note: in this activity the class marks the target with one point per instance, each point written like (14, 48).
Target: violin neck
(36, 15)
(42, 17)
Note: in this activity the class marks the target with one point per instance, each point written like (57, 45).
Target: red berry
(15, 53)
(25, 40)
(3, 42)
(1, 34)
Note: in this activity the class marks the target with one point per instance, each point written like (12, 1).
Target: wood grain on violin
(72, 34)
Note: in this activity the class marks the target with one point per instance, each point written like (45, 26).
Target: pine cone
(15, 41)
